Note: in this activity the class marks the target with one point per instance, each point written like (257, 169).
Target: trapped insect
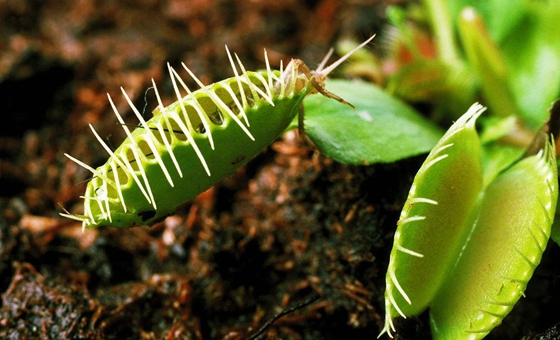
(189, 145)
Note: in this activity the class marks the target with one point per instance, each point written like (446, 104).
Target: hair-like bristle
(325, 72)
(269, 94)
(183, 127)
(197, 107)
(149, 138)
(136, 151)
(268, 71)
(124, 164)
(87, 167)
(219, 103)
(281, 83)
(408, 251)
(244, 101)
(199, 110)
(252, 86)
(164, 135)
(174, 78)
(113, 168)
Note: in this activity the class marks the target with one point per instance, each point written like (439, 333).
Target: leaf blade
(380, 130)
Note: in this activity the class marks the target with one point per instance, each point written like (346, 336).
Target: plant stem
(486, 60)
(442, 27)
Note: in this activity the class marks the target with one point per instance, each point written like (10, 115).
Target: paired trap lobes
(191, 144)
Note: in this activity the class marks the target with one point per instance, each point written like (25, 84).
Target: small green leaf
(380, 130)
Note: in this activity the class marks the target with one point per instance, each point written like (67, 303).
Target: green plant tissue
(381, 129)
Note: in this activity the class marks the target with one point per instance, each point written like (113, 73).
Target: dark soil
(289, 227)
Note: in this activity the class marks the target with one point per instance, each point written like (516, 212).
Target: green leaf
(526, 34)
(532, 53)
(380, 130)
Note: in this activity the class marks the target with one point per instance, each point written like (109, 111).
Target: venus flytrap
(194, 142)
(466, 248)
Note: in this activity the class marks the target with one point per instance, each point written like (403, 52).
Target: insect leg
(312, 76)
